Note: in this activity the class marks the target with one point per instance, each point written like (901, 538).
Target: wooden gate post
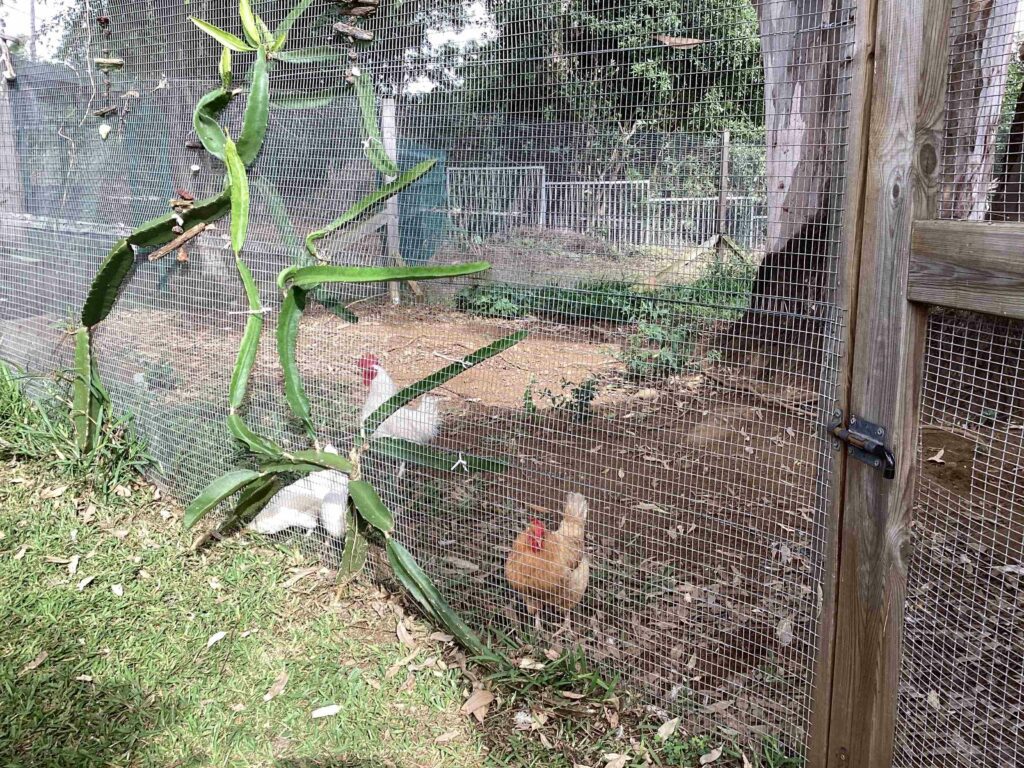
(904, 102)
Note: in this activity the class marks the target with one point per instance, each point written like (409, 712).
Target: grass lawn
(109, 653)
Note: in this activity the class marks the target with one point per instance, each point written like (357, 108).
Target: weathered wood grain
(968, 265)
(911, 49)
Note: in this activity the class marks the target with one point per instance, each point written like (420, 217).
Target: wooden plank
(968, 265)
(859, 61)
(911, 52)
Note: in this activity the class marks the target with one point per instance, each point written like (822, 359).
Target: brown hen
(549, 569)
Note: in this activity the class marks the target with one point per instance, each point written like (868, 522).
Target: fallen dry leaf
(117, 589)
(21, 552)
(84, 678)
(403, 635)
(34, 664)
(329, 711)
(239, 707)
(123, 491)
(278, 687)
(711, 756)
(784, 632)
(667, 729)
(90, 514)
(528, 663)
(73, 565)
(53, 493)
(746, 760)
(478, 704)
(215, 638)
(937, 458)
(85, 582)
(613, 760)
(933, 701)
(460, 564)
(444, 738)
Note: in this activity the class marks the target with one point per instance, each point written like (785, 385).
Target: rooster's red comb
(367, 362)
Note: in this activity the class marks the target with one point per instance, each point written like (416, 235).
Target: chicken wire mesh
(961, 690)
(962, 682)
(682, 354)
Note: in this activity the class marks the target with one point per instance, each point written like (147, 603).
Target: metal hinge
(866, 441)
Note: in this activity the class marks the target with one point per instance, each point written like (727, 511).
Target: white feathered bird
(321, 496)
(418, 425)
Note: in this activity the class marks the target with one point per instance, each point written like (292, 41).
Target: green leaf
(257, 111)
(223, 37)
(204, 119)
(375, 151)
(160, 231)
(225, 68)
(239, 196)
(310, 277)
(290, 467)
(249, 25)
(292, 307)
(246, 358)
(353, 556)
(82, 391)
(377, 197)
(423, 590)
(265, 33)
(436, 379)
(256, 443)
(98, 400)
(107, 285)
(223, 487)
(434, 458)
(319, 55)
(301, 102)
(322, 459)
(252, 501)
(370, 506)
(281, 33)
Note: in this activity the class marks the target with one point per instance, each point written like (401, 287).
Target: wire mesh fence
(677, 380)
(962, 683)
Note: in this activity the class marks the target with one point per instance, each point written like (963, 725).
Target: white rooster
(418, 425)
(321, 496)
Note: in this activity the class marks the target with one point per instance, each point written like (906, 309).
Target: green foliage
(436, 379)
(375, 153)
(239, 185)
(82, 389)
(107, 284)
(313, 277)
(367, 203)
(220, 489)
(292, 307)
(36, 424)
(257, 111)
(370, 506)
(666, 320)
(204, 118)
(222, 36)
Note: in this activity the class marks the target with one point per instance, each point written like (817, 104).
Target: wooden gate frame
(897, 260)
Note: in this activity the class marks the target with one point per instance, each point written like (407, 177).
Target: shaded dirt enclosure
(661, 191)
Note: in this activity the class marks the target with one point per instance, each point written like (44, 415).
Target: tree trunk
(1008, 200)
(803, 49)
(982, 47)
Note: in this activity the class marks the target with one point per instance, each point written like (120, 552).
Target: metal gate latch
(866, 441)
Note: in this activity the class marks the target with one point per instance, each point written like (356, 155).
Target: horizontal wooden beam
(968, 265)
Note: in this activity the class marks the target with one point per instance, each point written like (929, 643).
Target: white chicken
(319, 497)
(418, 425)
